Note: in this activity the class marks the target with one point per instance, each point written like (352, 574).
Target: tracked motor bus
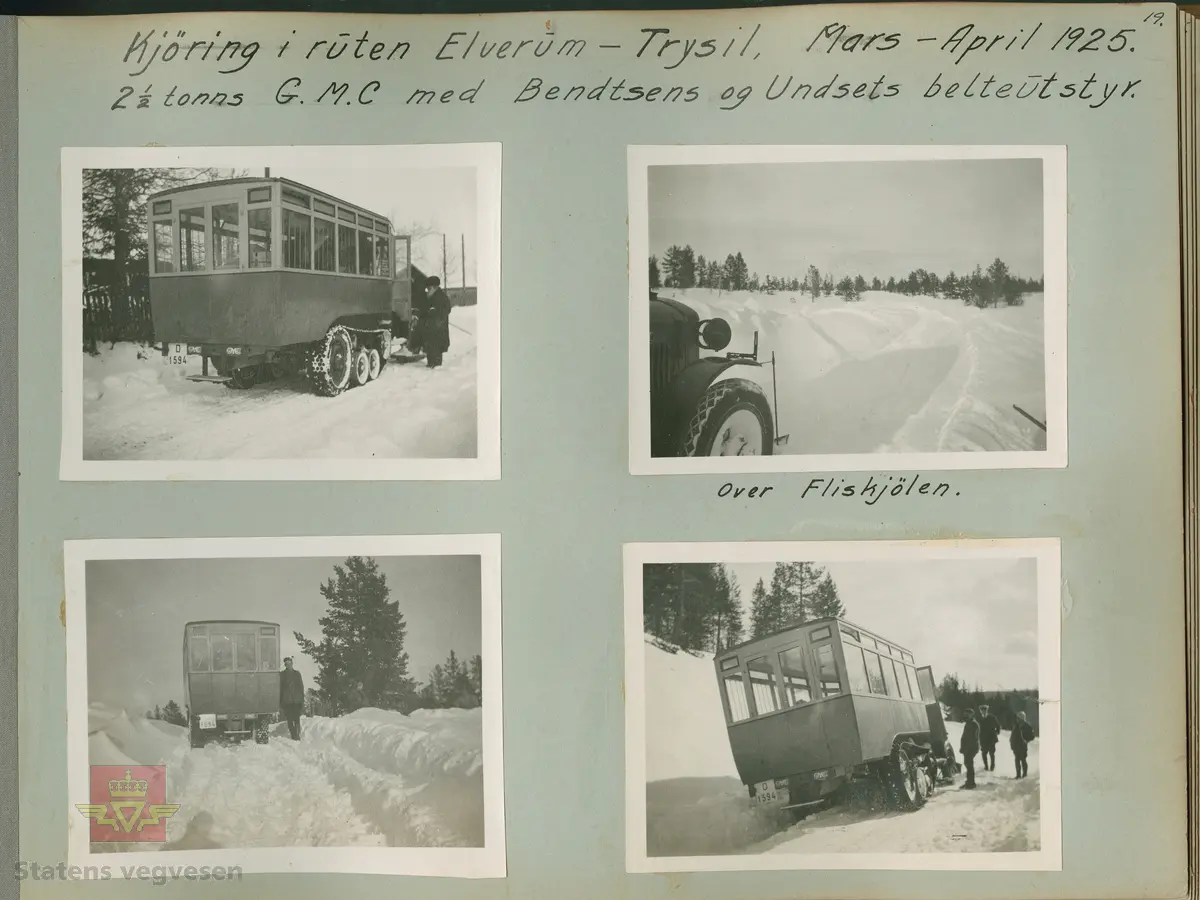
(812, 709)
(265, 277)
(231, 679)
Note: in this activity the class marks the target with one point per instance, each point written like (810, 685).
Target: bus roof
(230, 622)
(183, 189)
(808, 625)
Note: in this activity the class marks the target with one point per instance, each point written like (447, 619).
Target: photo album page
(728, 454)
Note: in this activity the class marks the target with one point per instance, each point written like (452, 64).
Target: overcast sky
(869, 218)
(974, 617)
(137, 609)
(443, 200)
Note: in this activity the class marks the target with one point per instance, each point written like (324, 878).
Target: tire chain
(700, 419)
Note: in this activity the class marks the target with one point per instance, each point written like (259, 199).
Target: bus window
(192, 242)
(323, 207)
(914, 689)
(164, 249)
(856, 670)
(762, 685)
(297, 240)
(222, 653)
(819, 635)
(291, 195)
(197, 654)
(851, 633)
(268, 654)
(325, 253)
(226, 236)
(875, 673)
(827, 671)
(795, 677)
(366, 252)
(258, 230)
(735, 696)
(346, 249)
(889, 677)
(383, 262)
(244, 647)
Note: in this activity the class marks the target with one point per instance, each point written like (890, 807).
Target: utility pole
(445, 283)
(267, 172)
(463, 260)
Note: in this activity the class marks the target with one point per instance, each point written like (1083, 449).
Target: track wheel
(362, 367)
(376, 364)
(909, 781)
(329, 362)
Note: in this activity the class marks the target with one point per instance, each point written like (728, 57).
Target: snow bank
(685, 724)
(372, 778)
(890, 373)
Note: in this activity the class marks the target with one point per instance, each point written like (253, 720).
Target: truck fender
(673, 412)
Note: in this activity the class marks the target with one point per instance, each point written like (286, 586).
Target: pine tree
(655, 278)
(826, 601)
(362, 642)
(763, 615)
(173, 714)
(814, 281)
(847, 290)
(727, 620)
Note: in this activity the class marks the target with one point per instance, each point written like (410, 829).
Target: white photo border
(1046, 551)
(485, 158)
(488, 861)
(1054, 205)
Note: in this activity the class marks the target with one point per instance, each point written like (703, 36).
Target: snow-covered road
(890, 373)
(372, 778)
(696, 804)
(135, 406)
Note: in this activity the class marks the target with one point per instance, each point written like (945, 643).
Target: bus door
(402, 278)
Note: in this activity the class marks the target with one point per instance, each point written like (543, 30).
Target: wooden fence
(111, 315)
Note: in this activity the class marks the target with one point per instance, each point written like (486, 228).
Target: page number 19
(1156, 18)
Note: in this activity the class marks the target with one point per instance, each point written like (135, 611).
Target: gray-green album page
(725, 454)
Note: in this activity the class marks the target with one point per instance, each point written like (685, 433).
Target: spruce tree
(362, 641)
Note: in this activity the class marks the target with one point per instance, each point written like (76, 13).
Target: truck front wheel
(732, 418)
(197, 736)
(330, 361)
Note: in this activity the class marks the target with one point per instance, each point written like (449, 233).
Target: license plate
(766, 794)
(177, 354)
(208, 721)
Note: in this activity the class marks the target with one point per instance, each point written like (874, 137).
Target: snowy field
(135, 406)
(890, 373)
(371, 778)
(697, 806)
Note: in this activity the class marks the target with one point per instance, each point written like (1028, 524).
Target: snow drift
(371, 778)
(890, 373)
(696, 804)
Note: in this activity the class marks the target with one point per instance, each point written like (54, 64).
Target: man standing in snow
(989, 734)
(969, 746)
(291, 697)
(1022, 734)
(435, 328)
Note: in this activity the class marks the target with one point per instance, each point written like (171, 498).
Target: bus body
(231, 679)
(261, 276)
(812, 708)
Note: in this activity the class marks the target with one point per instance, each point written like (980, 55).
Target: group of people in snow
(429, 329)
(980, 736)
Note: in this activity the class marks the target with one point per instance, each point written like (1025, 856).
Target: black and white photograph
(319, 704)
(843, 308)
(843, 705)
(281, 312)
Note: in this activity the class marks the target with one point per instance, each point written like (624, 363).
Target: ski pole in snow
(1029, 417)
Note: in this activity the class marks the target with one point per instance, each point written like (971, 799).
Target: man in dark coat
(989, 734)
(969, 746)
(291, 697)
(1022, 734)
(435, 325)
